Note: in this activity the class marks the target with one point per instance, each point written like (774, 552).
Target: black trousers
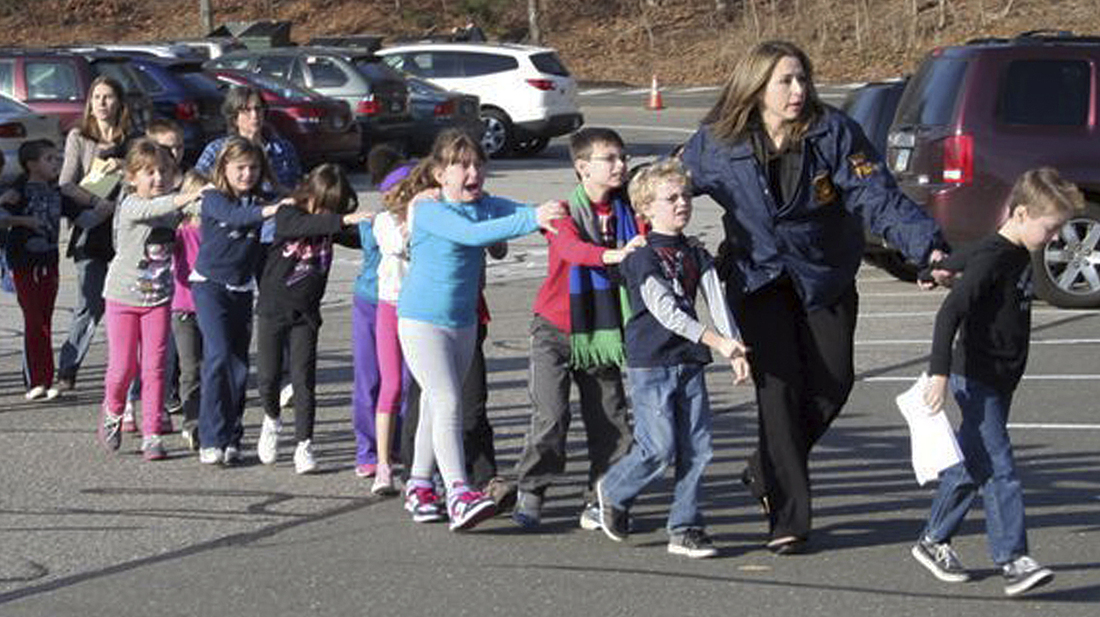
(803, 370)
(477, 433)
(188, 344)
(273, 332)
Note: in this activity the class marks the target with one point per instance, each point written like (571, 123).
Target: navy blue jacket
(230, 246)
(817, 236)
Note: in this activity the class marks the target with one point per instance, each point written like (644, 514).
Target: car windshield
(930, 97)
(198, 81)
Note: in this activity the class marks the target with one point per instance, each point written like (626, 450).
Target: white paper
(931, 437)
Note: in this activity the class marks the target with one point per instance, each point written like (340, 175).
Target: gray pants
(603, 408)
(90, 276)
(438, 359)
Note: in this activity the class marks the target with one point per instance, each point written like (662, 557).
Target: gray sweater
(141, 272)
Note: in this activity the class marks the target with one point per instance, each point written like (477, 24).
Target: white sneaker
(232, 455)
(303, 457)
(286, 396)
(52, 393)
(211, 456)
(35, 393)
(268, 446)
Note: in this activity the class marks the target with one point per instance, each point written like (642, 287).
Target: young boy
(991, 305)
(576, 333)
(33, 207)
(666, 354)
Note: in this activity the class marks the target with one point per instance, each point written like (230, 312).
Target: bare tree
(533, 22)
(206, 17)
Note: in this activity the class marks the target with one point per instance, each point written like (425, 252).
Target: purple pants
(364, 396)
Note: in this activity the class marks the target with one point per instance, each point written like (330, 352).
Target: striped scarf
(598, 306)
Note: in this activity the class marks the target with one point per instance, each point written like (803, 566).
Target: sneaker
(35, 393)
(423, 503)
(190, 435)
(268, 445)
(613, 521)
(128, 424)
(1023, 574)
(109, 430)
(286, 396)
(65, 384)
(502, 492)
(211, 456)
(590, 517)
(941, 561)
(365, 470)
(528, 510)
(52, 392)
(693, 543)
(152, 448)
(383, 481)
(304, 462)
(173, 406)
(468, 508)
(232, 455)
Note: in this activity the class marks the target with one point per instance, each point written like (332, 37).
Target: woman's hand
(935, 393)
(548, 212)
(741, 370)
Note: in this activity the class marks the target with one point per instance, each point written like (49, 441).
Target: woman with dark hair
(798, 183)
(95, 147)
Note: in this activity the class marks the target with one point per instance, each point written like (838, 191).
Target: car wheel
(531, 147)
(1067, 270)
(497, 138)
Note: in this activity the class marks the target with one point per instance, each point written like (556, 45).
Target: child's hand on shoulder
(741, 369)
(358, 217)
(935, 393)
(550, 211)
(432, 194)
(9, 198)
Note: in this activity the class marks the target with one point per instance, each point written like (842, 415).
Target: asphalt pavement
(83, 532)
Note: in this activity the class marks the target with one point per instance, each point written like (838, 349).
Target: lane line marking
(1052, 311)
(700, 89)
(635, 91)
(1056, 427)
(667, 129)
(596, 92)
(910, 379)
(1053, 341)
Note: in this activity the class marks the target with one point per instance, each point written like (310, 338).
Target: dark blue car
(181, 91)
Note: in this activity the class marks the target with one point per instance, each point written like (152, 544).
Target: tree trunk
(1005, 11)
(206, 17)
(534, 34)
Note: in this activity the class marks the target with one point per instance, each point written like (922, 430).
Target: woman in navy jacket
(798, 182)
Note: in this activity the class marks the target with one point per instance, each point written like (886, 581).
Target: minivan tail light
(446, 108)
(187, 111)
(13, 129)
(958, 159)
(542, 84)
(368, 107)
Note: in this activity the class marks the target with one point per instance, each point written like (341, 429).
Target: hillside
(682, 41)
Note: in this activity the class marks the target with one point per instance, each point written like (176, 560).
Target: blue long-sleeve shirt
(447, 254)
(366, 284)
(230, 246)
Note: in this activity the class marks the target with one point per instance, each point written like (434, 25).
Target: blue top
(817, 237)
(366, 284)
(230, 248)
(447, 253)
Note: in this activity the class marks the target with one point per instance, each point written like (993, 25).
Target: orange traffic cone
(655, 101)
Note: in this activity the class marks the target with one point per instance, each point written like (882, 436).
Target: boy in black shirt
(990, 307)
(666, 353)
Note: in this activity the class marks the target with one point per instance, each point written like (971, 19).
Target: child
(576, 332)
(138, 292)
(222, 285)
(990, 308)
(185, 328)
(33, 208)
(437, 314)
(289, 306)
(666, 351)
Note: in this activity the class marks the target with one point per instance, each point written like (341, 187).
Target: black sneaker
(1023, 574)
(941, 560)
(694, 543)
(613, 521)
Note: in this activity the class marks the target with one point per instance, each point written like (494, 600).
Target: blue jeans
(90, 276)
(988, 467)
(671, 427)
(225, 321)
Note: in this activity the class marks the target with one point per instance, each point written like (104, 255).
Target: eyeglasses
(611, 158)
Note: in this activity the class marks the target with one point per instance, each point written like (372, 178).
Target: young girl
(138, 290)
(289, 307)
(391, 232)
(185, 328)
(437, 313)
(222, 286)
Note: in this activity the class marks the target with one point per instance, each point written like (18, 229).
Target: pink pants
(130, 329)
(390, 359)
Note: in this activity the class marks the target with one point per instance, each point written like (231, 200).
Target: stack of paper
(930, 435)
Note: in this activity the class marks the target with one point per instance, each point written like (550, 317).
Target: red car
(322, 129)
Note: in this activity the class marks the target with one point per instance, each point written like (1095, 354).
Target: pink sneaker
(423, 503)
(468, 508)
(365, 470)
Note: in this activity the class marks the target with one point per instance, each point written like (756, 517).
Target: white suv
(527, 95)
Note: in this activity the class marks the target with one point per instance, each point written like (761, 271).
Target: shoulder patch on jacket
(861, 166)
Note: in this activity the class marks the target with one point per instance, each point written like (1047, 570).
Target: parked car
(322, 129)
(159, 50)
(211, 46)
(19, 123)
(975, 116)
(527, 95)
(182, 91)
(376, 94)
(435, 109)
(55, 82)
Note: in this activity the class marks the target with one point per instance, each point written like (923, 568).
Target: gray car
(435, 109)
(376, 94)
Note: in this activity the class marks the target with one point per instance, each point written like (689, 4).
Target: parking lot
(86, 533)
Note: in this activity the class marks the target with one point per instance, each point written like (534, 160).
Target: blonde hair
(643, 186)
(396, 200)
(451, 146)
(144, 153)
(238, 148)
(1043, 192)
(738, 106)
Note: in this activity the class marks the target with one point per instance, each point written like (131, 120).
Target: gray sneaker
(941, 561)
(613, 521)
(528, 510)
(1023, 574)
(693, 543)
(109, 431)
(590, 517)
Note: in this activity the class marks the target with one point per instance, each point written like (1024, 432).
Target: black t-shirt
(990, 308)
